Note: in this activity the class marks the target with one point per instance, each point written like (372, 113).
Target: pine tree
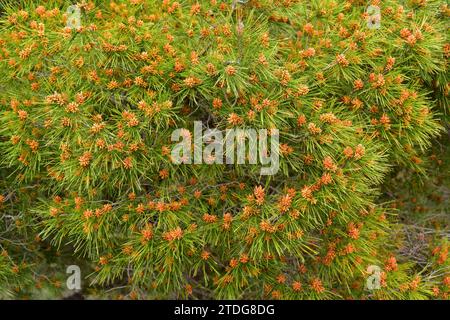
(87, 114)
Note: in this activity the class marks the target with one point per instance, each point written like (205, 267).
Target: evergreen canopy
(86, 117)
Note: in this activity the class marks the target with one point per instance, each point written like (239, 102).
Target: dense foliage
(86, 117)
